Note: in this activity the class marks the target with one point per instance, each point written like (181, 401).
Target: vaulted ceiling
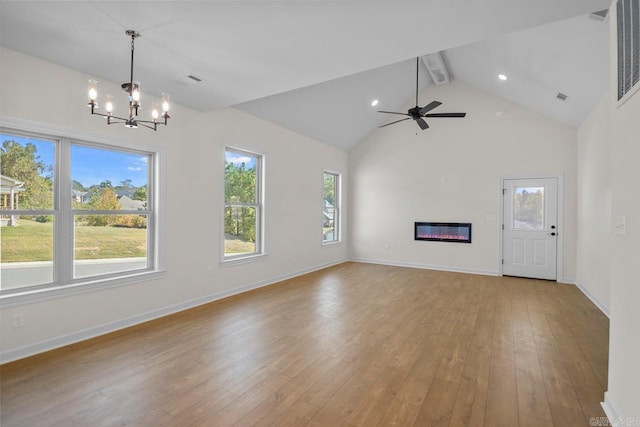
(315, 66)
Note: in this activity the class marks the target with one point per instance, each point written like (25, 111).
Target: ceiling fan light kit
(132, 88)
(418, 113)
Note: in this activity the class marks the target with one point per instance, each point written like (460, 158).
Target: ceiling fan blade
(393, 112)
(446, 115)
(429, 107)
(423, 125)
(397, 121)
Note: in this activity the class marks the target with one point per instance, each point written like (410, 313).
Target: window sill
(230, 262)
(333, 243)
(630, 93)
(77, 288)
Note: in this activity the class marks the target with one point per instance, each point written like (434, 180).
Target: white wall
(55, 97)
(623, 394)
(451, 172)
(594, 204)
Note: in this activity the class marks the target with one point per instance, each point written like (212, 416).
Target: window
(330, 207)
(242, 204)
(528, 208)
(628, 30)
(28, 215)
(72, 211)
(110, 210)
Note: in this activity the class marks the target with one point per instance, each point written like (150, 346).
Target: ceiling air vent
(189, 80)
(600, 15)
(561, 97)
(437, 68)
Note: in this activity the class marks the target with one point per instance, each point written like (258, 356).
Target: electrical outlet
(18, 320)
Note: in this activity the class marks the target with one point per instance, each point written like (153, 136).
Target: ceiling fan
(419, 113)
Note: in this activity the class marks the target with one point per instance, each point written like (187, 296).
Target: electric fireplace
(459, 232)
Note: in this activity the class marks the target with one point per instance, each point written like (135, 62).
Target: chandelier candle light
(133, 89)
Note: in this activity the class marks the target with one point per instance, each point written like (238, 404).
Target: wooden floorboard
(351, 345)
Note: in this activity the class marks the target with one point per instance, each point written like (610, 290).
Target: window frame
(63, 283)
(337, 208)
(624, 93)
(149, 211)
(258, 206)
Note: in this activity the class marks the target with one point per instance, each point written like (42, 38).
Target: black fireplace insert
(459, 232)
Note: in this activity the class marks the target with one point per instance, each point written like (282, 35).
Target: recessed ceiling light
(374, 102)
(502, 77)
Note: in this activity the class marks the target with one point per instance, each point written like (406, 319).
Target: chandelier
(132, 88)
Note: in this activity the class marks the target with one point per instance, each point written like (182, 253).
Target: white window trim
(63, 286)
(337, 206)
(260, 252)
(636, 87)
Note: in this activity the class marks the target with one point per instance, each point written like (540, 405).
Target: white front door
(530, 229)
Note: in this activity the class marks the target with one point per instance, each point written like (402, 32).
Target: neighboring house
(128, 192)
(10, 189)
(327, 214)
(129, 204)
(79, 196)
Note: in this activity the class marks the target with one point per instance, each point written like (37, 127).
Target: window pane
(108, 180)
(329, 207)
(26, 251)
(27, 173)
(105, 244)
(240, 177)
(528, 208)
(239, 230)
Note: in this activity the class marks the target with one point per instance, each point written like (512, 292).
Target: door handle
(552, 234)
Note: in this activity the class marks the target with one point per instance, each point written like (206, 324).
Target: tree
(77, 185)
(22, 162)
(240, 189)
(104, 200)
(329, 187)
(127, 183)
(140, 193)
(529, 208)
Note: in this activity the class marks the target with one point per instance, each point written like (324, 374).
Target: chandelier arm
(153, 123)
(142, 123)
(110, 117)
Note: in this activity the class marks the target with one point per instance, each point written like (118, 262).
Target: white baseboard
(615, 418)
(427, 266)
(85, 334)
(593, 299)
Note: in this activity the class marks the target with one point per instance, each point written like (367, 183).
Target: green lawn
(235, 245)
(33, 241)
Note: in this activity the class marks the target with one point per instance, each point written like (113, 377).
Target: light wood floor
(352, 345)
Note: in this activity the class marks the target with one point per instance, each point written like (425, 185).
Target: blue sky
(239, 158)
(93, 165)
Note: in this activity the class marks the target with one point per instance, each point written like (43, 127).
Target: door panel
(529, 237)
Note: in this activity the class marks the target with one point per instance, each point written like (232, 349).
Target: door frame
(560, 239)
